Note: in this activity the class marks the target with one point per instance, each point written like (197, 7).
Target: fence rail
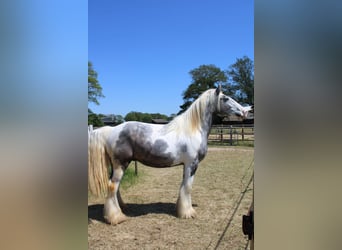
(232, 135)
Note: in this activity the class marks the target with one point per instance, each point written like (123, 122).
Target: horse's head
(228, 106)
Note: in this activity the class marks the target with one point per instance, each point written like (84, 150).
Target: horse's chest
(202, 151)
(196, 148)
(202, 147)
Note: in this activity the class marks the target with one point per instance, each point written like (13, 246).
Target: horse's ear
(218, 89)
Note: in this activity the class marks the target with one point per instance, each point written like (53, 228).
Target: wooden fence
(232, 135)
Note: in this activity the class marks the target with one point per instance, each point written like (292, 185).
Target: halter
(218, 107)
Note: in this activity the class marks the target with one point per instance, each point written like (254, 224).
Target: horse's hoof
(190, 213)
(115, 219)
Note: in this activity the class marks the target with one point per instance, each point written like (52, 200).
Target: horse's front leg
(112, 210)
(184, 205)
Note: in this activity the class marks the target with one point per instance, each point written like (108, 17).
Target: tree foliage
(237, 82)
(144, 117)
(94, 87)
(204, 77)
(241, 74)
(94, 119)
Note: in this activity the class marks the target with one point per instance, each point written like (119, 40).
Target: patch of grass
(244, 143)
(235, 143)
(129, 178)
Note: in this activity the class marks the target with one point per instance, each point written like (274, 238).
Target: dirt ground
(222, 193)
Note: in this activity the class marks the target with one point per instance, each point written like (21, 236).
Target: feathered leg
(184, 204)
(112, 210)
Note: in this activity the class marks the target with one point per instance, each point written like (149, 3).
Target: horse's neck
(206, 124)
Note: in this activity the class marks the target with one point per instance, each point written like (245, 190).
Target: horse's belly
(156, 161)
(154, 154)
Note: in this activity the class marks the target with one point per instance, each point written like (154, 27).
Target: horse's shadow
(95, 212)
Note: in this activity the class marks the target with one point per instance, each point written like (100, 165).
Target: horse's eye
(225, 98)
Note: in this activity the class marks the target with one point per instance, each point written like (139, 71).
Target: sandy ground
(222, 193)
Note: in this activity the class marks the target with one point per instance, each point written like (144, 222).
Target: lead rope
(236, 206)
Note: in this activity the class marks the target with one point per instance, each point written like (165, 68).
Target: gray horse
(181, 142)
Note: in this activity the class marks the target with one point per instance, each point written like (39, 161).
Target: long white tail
(98, 163)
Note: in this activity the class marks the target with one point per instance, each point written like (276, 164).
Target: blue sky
(143, 50)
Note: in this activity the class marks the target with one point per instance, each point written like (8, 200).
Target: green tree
(131, 116)
(241, 74)
(144, 117)
(159, 116)
(94, 87)
(94, 119)
(204, 77)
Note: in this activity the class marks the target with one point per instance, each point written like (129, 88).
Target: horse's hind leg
(184, 204)
(121, 202)
(112, 210)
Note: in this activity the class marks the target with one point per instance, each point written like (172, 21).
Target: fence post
(136, 168)
(231, 135)
(221, 133)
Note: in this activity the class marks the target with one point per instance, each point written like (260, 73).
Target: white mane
(191, 120)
